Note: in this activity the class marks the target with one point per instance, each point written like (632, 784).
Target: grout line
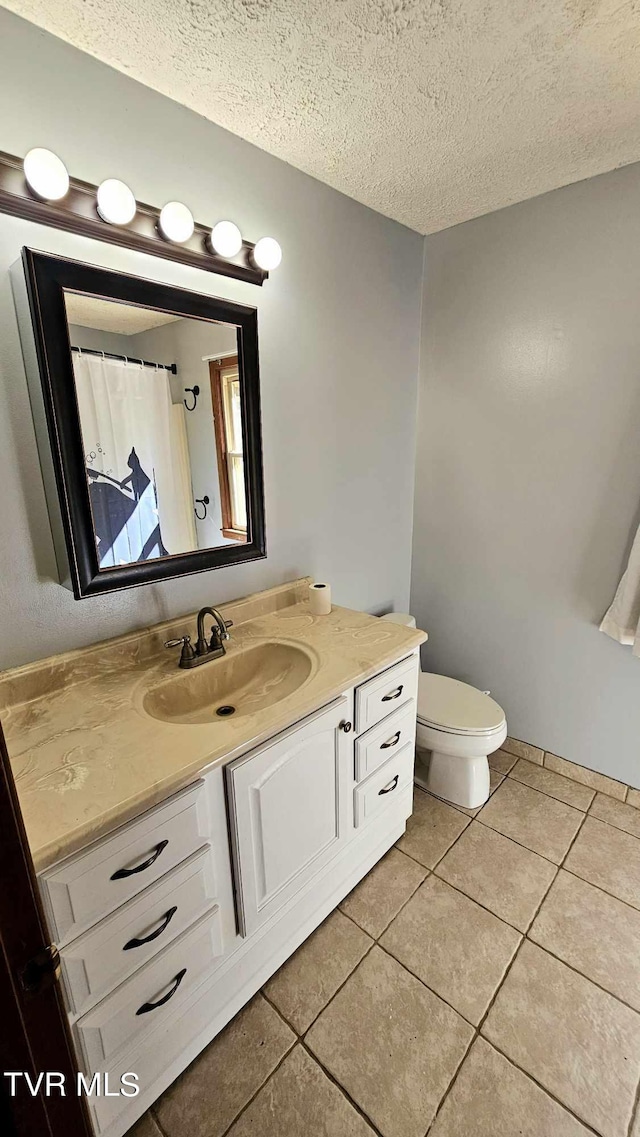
(527, 1074)
(470, 814)
(612, 824)
(374, 943)
(273, 1006)
(549, 1093)
(581, 974)
(626, 787)
(476, 1033)
(453, 1080)
(516, 842)
(612, 895)
(543, 793)
(400, 909)
(346, 914)
(500, 985)
(443, 998)
(455, 842)
(553, 797)
(478, 818)
(503, 919)
(260, 1087)
(416, 862)
(298, 1034)
(520, 757)
(573, 840)
(345, 1093)
(557, 864)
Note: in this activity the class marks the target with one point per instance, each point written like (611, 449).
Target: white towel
(622, 621)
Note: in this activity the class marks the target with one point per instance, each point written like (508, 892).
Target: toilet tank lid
(404, 618)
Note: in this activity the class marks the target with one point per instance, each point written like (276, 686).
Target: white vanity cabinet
(170, 924)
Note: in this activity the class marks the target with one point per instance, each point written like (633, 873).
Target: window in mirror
(227, 412)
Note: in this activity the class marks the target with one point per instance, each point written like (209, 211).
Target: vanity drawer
(138, 1004)
(86, 887)
(97, 961)
(382, 741)
(384, 788)
(163, 1053)
(381, 695)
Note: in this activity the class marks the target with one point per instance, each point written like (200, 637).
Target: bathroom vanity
(182, 856)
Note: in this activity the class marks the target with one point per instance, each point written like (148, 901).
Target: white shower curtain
(622, 621)
(137, 483)
(187, 540)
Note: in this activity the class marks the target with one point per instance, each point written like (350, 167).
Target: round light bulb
(225, 239)
(115, 201)
(176, 222)
(267, 253)
(46, 174)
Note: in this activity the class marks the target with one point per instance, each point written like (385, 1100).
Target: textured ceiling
(109, 316)
(430, 111)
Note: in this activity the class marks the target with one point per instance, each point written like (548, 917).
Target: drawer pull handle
(390, 786)
(166, 920)
(122, 873)
(146, 1007)
(393, 694)
(391, 741)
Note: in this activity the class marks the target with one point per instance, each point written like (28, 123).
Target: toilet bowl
(460, 726)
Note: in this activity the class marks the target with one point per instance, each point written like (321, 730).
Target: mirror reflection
(161, 414)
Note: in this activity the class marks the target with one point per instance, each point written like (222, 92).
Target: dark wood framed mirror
(144, 460)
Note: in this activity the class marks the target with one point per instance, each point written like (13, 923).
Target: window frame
(216, 369)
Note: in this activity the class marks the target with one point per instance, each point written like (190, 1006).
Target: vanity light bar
(35, 189)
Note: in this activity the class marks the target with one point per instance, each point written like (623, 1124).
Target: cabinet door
(289, 812)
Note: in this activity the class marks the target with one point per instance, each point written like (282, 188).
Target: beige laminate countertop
(87, 757)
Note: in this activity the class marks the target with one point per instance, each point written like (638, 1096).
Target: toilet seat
(456, 708)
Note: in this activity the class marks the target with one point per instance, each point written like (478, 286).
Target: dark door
(34, 1034)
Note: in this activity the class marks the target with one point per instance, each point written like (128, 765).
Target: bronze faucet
(204, 650)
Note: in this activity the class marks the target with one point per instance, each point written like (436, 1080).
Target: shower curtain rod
(126, 359)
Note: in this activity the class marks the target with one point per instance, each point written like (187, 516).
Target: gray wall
(339, 337)
(528, 471)
(98, 340)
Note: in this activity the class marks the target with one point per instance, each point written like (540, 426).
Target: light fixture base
(76, 213)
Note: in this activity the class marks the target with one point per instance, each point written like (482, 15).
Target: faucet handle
(188, 651)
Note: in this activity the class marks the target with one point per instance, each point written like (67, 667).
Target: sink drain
(225, 710)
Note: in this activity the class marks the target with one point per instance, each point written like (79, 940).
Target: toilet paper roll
(320, 599)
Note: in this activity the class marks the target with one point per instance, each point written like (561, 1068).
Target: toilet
(460, 726)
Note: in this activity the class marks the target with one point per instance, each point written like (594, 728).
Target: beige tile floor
(482, 981)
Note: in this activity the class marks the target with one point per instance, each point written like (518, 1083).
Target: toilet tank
(403, 618)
